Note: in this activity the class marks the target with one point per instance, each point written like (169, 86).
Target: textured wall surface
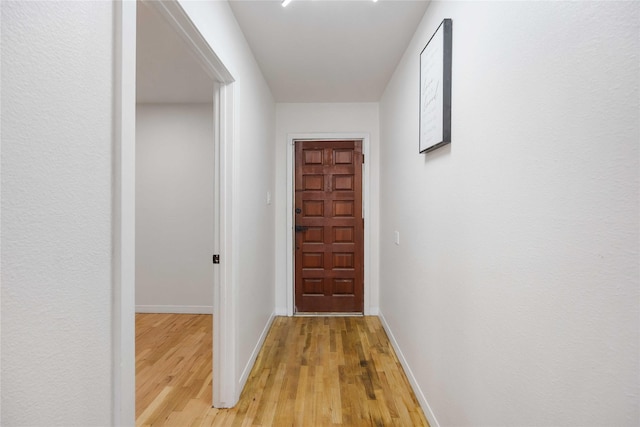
(514, 292)
(174, 207)
(56, 213)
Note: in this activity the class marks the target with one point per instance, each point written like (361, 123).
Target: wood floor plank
(311, 371)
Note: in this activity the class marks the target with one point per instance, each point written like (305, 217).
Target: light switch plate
(397, 237)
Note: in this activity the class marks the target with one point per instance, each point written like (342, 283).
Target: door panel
(329, 255)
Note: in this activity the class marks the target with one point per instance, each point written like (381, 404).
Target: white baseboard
(175, 309)
(433, 422)
(254, 354)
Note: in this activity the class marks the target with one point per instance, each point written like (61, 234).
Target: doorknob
(300, 228)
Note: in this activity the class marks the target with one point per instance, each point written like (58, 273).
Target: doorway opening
(174, 223)
(341, 260)
(220, 114)
(329, 227)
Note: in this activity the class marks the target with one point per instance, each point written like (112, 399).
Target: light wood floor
(311, 371)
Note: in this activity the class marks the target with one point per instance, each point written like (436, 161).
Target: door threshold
(330, 314)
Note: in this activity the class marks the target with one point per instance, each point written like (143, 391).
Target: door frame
(366, 209)
(225, 389)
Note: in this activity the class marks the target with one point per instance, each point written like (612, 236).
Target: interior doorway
(225, 393)
(329, 227)
(174, 228)
(365, 173)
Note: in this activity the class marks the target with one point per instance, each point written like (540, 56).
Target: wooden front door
(329, 228)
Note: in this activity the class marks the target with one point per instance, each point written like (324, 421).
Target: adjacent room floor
(311, 371)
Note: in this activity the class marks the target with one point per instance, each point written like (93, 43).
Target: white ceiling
(310, 51)
(328, 51)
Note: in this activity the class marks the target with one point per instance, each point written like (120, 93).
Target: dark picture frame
(435, 89)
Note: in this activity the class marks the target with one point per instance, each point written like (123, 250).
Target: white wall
(56, 213)
(514, 292)
(324, 118)
(253, 220)
(174, 208)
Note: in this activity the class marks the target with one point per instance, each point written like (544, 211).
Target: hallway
(313, 371)
(504, 265)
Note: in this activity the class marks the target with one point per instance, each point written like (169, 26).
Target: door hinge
(216, 259)
(363, 159)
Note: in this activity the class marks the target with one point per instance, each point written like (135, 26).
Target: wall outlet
(396, 236)
(268, 197)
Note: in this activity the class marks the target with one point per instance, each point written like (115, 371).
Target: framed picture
(435, 89)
